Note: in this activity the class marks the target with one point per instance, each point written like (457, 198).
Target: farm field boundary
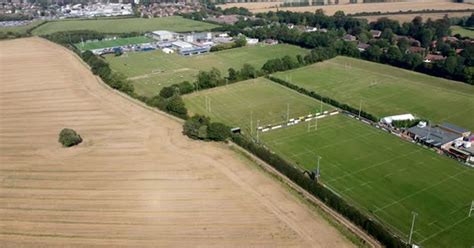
(384, 90)
(124, 195)
(151, 71)
(125, 25)
(354, 8)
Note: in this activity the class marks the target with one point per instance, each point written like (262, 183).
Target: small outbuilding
(167, 50)
(389, 119)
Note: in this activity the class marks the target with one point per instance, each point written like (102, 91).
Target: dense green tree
(176, 107)
(374, 53)
(470, 21)
(193, 126)
(248, 71)
(426, 37)
(185, 87)
(403, 44)
(388, 35)
(233, 74)
(68, 137)
(167, 92)
(450, 64)
(469, 74)
(209, 79)
(393, 55)
(240, 41)
(218, 131)
(412, 60)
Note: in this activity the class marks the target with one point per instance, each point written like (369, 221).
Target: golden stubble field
(356, 8)
(409, 17)
(135, 180)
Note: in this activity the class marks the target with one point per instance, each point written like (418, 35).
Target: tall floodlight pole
(412, 226)
(251, 122)
(316, 128)
(258, 124)
(360, 107)
(472, 208)
(317, 170)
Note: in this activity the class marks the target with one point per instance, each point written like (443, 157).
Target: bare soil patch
(134, 180)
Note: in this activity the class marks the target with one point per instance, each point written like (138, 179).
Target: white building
(181, 45)
(251, 41)
(163, 35)
(167, 50)
(389, 119)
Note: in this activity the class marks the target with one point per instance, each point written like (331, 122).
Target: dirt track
(355, 8)
(135, 180)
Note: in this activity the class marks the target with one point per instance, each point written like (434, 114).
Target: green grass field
(386, 177)
(385, 90)
(468, 32)
(20, 29)
(381, 174)
(151, 71)
(248, 101)
(112, 43)
(125, 25)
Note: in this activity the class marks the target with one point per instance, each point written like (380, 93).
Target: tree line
(393, 47)
(172, 103)
(325, 99)
(214, 78)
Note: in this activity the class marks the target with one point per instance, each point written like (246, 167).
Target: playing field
(113, 43)
(151, 71)
(258, 100)
(20, 29)
(125, 25)
(469, 32)
(385, 90)
(386, 177)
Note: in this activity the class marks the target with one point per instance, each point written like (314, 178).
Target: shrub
(69, 137)
(176, 107)
(218, 131)
(192, 126)
(168, 91)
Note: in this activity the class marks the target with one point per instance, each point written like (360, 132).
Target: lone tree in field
(69, 137)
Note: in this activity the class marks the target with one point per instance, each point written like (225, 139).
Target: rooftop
(162, 32)
(389, 119)
(375, 33)
(454, 128)
(182, 44)
(434, 135)
(434, 57)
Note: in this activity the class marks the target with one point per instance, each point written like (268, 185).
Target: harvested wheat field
(355, 8)
(409, 17)
(135, 180)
